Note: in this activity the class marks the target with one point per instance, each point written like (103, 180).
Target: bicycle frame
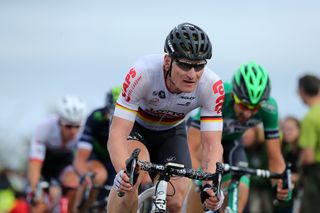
(160, 190)
(233, 191)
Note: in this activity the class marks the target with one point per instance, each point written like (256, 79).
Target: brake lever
(219, 172)
(286, 181)
(131, 163)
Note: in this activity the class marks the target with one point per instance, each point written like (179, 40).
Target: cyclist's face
(186, 74)
(244, 112)
(69, 131)
(243, 115)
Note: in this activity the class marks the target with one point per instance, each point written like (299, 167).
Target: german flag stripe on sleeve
(211, 119)
(125, 108)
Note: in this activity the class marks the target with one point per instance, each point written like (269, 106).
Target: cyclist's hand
(283, 194)
(121, 182)
(212, 201)
(87, 180)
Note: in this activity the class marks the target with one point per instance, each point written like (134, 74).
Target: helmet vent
(186, 35)
(202, 48)
(195, 37)
(183, 46)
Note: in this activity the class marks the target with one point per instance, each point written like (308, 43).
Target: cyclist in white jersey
(157, 94)
(51, 150)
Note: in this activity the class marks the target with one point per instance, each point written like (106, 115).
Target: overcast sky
(52, 48)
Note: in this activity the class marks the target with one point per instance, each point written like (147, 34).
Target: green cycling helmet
(251, 83)
(112, 96)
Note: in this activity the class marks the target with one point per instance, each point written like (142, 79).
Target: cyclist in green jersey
(309, 141)
(247, 104)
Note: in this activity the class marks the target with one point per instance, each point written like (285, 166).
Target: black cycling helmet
(188, 41)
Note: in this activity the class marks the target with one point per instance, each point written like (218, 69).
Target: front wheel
(145, 200)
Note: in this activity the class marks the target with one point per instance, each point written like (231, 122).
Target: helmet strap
(168, 73)
(168, 76)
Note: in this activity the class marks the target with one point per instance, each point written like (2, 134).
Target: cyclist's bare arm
(211, 150)
(34, 173)
(117, 143)
(195, 147)
(275, 159)
(276, 164)
(80, 161)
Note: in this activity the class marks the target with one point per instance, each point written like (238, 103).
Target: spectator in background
(309, 141)
(290, 128)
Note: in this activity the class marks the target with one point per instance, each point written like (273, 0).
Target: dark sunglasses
(185, 66)
(245, 106)
(70, 126)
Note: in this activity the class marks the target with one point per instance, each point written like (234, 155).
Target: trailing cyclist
(92, 156)
(247, 104)
(51, 153)
(157, 94)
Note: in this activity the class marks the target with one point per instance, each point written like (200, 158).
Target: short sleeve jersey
(233, 129)
(146, 99)
(48, 136)
(310, 131)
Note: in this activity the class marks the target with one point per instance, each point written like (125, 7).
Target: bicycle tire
(144, 196)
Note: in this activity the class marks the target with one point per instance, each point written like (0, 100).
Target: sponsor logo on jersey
(231, 125)
(165, 113)
(185, 104)
(218, 89)
(271, 108)
(128, 86)
(187, 97)
(161, 94)
(154, 101)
